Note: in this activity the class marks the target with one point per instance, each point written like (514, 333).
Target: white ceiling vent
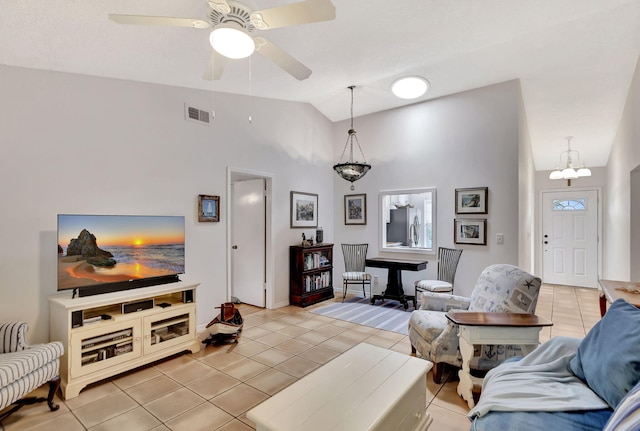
(197, 115)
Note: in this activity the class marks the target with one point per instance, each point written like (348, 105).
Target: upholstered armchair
(500, 288)
(25, 367)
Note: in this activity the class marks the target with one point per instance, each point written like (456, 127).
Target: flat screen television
(107, 253)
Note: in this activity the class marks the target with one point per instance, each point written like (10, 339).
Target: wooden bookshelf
(310, 274)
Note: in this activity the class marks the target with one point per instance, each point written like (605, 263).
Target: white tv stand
(97, 348)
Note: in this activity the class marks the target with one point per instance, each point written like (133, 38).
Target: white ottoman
(365, 388)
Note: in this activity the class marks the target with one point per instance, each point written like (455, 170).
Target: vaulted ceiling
(574, 58)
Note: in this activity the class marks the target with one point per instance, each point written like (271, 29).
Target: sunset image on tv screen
(95, 249)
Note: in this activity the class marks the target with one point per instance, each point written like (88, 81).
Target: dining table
(394, 267)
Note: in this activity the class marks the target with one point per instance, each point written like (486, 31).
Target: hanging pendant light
(571, 159)
(352, 170)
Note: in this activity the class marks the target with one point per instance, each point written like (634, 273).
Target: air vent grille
(195, 114)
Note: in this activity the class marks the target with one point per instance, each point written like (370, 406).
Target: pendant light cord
(352, 135)
(351, 88)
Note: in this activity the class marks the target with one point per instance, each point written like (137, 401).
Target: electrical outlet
(375, 280)
(499, 238)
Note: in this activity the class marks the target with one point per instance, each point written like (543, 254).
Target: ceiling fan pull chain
(213, 92)
(250, 93)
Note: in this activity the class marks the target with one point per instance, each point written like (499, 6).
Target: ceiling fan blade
(282, 59)
(215, 67)
(304, 12)
(158, 20)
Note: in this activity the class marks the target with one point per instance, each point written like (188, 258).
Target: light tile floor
(213, 389)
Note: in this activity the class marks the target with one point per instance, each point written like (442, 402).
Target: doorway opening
(250, 272)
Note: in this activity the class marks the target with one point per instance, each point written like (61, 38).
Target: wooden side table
(491, 328)
(610, 290)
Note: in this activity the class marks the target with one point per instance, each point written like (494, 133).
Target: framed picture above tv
(208, 208)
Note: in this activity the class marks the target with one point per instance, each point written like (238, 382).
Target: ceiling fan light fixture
(232, 42)
(410, 87)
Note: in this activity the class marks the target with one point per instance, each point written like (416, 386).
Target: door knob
(546, 242)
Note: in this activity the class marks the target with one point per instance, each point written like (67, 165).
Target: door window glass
(570, 204)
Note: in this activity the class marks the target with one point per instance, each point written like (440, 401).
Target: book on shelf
(317, 281)
(180, 329)
(315, 260)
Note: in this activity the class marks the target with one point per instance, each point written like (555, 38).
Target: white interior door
(570, 238)
(248, 241)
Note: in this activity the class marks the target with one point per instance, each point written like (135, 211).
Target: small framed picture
(472, 201)
(355, 209)
(470, 231)
(304, 210)
(208, 208)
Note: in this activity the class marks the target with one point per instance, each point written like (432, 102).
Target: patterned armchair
(24, 368)
(500, 288)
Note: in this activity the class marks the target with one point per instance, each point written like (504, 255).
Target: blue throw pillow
(608, 358)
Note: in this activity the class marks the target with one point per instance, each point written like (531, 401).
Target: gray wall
(468, 139)
(624, 158)
(80, 144)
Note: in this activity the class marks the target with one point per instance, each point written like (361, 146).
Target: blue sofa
(569, 384)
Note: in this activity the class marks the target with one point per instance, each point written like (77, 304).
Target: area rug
(389, 315)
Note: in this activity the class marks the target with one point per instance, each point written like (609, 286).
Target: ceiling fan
(233, 24)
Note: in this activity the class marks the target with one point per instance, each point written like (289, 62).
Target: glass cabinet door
(168, 328)
(96, 348)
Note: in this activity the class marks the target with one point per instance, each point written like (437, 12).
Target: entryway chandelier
(352, 170)
(571, 160)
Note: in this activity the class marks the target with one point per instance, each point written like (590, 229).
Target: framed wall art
(304, 210)
(208, 208)
(355, 209)
(472, 201)
(470, 231)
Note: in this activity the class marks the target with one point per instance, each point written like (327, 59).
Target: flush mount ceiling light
(352, 170)
(231, 41)
(410, 87)
(571, 159)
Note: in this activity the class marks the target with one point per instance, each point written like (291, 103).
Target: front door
(248, 242)
(570, 238)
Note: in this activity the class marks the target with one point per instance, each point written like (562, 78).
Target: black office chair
(354, 262)
(448, 259)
